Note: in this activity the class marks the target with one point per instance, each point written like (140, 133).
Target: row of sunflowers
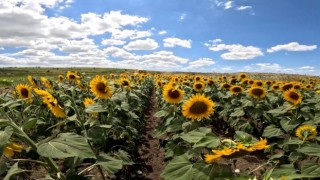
(75, 126)
(237, 127)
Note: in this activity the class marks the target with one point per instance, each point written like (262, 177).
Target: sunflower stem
(53, 166)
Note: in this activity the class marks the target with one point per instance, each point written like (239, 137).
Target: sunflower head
(225, 86)
(258, 83)
(11, 148)
(236, 89)
(72, 76)
(88, 101)
(198, 86)
(197, 78)
(309, 86)
(24, 92)
(47, 83)
(60, 78)
(318, 91)
(172, 95)
(306, 132)
(32, 81)
(276, 87)
(286, 86)
(242, 76)
(245, 81)
(198, 107)
(292, 96)
(257, 92)
(251, 82)
(100, 88)
(210, 82)
(268, 83)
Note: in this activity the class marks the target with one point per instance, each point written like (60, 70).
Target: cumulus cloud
(112, 42)
(119, 53)
(307, 67)
(236, 51)
(146, 44)
(172, 42)
(166, 56)
(201, 62)
(228, 4)
(292, 46)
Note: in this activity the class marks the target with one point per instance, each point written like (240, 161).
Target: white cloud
(146, 44)
(112, 42)
(228, 4)
(75, 46)
(237, 51)
(292, 46)
(132, 34)
(307, 67)
(119, 53)
(202, 62)
(172, 42)
(162, 32)
(242, 8)
(166, 56)
(268, 66)
(182, 16)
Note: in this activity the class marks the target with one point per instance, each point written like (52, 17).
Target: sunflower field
(210, 126)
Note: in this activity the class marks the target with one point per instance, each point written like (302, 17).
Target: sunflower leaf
(13, 170)
(179, 168)
(66, 145)
(195, 135)
(272, 131)
(310, 149)
(5, 136)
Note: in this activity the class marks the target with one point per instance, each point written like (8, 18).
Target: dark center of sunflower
(53, 104)
(71, 76)
(159, 83)
(257, 92)
(297, 87)
(259, 83)
(60, 78)
(294, 95)
(226, 86)
(242, 76)
(101, 87)
(24, 92)
(268, 83)
(197, 78)
(275, 87)
(198, 108)
(287, 87)
(211, 82)
(174, 94)
(125, 83)
(236, 89)
(245, 82)
(198, 86)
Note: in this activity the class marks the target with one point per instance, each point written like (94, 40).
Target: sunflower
(72, 76)
(292, 96)
(250, 81)
(60, 78)
(32, 81)
(54, 107)
(198, 107)
(225, 86)
(10, 148)
(81, 85)
(210, 82)
(309, 86)
(24, 92)
(297, 86)
(211, 158)
(124, 82)
(275, 87)
(236, 89)
(233, 81)
(268, 83)
(197, 78)
(242, 76)
(286, 86)
(51, 102)
(258, 83)
(172, 95)
(245, 81)
(47, 83)
(257, 92)
(88, 101)
(100, 88)
(318, 91)
(261, 145)
(306, 132)
(198, 86)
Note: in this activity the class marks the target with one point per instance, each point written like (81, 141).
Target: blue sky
(169, 35)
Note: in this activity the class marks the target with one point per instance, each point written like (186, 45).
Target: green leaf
(66, 145)
(13, 170)
(246, 103)
(209, 141)
(211, 171)
(5, 136)
(29, 124)
(283, 170)
(279, 111)
(272, 131)
(160, 114)
(310, 169)
(195, 135)
(310, 149)
(95, 108)
(179, 168)
(110, 164)
(245, 137)
(125, 157)
(289, 125)
(237, 112)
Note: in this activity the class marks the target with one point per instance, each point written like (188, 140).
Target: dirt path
(150, 155)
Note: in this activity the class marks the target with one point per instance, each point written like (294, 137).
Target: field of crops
(143, 125)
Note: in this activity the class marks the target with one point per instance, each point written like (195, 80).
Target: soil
(149, 160)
